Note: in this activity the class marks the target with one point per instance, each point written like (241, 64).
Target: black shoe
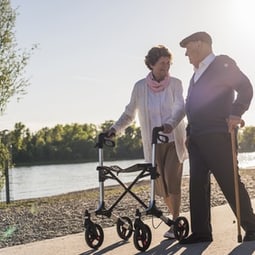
(249, 236)
(197, 238)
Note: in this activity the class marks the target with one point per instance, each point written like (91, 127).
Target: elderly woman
(158, 101)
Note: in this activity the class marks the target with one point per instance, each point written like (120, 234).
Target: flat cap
(199, 36)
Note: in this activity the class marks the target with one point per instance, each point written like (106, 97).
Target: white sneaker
(170, 233)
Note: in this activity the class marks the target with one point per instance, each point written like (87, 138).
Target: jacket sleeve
(178, 110)
(243, 87)
(129, 113)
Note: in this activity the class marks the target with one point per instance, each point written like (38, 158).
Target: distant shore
(31, 220)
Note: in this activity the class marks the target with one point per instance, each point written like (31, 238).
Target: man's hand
(234, 122)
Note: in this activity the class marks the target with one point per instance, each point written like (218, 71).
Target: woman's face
(161, 68)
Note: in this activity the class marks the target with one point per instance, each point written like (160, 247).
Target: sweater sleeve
(243, 87)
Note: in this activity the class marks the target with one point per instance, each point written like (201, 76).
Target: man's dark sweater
(212, 98)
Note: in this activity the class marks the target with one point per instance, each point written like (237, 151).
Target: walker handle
(157, 136)
(103, 139)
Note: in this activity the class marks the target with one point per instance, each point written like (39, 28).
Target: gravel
(32, 220)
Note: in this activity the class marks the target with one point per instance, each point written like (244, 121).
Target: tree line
(76, 143)
(68, 144)
(73, 143)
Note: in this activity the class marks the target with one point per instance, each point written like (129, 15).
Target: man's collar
(206, 61)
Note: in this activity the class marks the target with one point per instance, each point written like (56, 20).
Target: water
(49, 180)
(246, 160)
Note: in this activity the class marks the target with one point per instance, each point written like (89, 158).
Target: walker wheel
(124, 228)
(142, 237)
(181, 228)
(94, 236)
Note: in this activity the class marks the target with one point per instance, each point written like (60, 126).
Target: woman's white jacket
(138, 105)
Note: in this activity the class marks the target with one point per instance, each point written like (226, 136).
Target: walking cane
(236, 183)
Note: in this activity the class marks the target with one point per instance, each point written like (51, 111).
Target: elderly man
(213, 112)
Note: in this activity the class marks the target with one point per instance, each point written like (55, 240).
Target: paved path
(224, 233)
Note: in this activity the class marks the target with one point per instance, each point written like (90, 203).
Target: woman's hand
(111, 132)
(167, 128)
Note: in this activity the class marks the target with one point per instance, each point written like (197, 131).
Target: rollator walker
(94, 235)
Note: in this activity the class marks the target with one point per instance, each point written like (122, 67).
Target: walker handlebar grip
(104, 139)
(157, 136)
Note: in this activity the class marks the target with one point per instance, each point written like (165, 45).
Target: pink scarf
(157, 86)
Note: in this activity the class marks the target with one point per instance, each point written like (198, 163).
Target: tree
(20, 142)
(247, 139)
(13, 60)
(130, 144)
(4, 155)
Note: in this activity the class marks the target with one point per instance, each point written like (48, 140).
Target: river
(49, 180)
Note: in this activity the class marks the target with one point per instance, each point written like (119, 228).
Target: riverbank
(31, 220)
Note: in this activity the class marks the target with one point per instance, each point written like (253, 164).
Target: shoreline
(68, 178)
(30, 220)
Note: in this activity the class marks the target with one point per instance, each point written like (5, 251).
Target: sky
(91, 53)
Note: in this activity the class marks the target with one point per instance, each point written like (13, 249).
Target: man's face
(193, 52)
